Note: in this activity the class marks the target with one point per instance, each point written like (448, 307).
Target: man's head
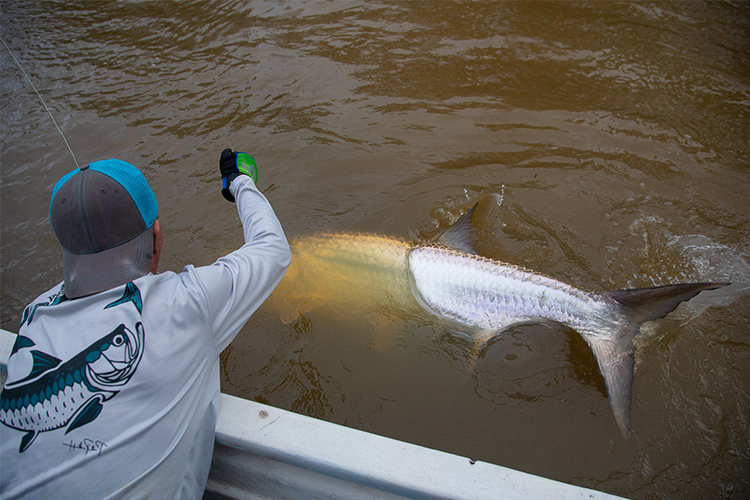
(104, 216)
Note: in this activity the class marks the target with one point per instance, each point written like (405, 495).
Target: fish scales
(348, 270)
(36, 415)
(485, 294)
(363, 249)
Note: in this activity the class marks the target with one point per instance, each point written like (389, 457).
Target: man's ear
(158, 240)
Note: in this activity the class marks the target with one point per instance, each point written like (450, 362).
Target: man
(113, 382)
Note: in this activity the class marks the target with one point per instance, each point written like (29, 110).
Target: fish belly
(49, 413)
(488, 295)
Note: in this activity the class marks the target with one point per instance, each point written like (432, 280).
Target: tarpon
(69, 394)
(479, 295)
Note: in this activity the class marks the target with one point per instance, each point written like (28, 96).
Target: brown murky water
(607, 141)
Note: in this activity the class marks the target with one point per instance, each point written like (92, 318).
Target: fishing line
(43, 103)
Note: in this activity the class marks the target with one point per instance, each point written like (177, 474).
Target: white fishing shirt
(116, 395)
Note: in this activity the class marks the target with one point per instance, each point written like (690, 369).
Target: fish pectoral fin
(480, 342)
(294, 308)
(26, 440)
(289, 316)
(385, 330)
(87, 414)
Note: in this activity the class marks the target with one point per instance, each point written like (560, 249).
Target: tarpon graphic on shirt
(71, 394)
(57, 394)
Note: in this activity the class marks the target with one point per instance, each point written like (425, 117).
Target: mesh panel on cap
(134, 182)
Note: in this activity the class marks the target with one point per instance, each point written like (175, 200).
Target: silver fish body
(483, 296)
(489, 295)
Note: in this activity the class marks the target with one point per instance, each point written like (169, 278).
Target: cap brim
(86, 274)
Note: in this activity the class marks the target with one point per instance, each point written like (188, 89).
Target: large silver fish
(481, 296)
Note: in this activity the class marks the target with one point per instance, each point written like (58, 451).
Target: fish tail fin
(615, 353)
(616, 360)
(646, 304)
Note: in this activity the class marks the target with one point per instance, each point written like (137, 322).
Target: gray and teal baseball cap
(103, 216)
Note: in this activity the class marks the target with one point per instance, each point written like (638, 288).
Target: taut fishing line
(40, 98)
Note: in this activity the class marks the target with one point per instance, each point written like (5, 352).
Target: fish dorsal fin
(42, 363)
(458, 236)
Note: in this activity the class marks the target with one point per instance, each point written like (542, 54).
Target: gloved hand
(233, 164)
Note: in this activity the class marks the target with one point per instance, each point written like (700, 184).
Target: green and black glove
(233, 164)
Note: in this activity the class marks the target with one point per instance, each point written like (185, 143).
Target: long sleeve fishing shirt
(116, 395)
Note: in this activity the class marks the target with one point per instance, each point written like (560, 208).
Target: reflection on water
(608, 142)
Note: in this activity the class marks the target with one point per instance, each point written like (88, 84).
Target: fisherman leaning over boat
(113, 382)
